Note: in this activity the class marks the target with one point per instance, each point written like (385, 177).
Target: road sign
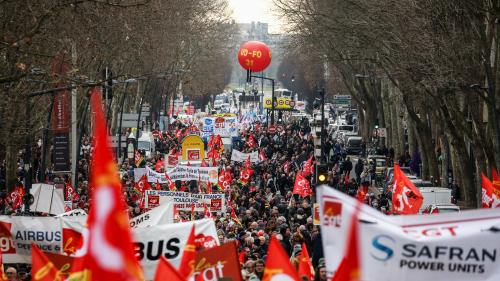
(272, 129)
(129, 120)
(342, 97)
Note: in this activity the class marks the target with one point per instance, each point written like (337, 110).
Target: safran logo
(383, 252)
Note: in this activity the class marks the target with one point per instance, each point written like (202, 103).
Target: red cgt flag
(186, 267)
(406, 198)
(308, 167)
(42, 268)
(487, 192)
(350, 268)
(108, 252)
(305, 265)
(165, 271)
(278, 266)
(302, 186)
(2, 272)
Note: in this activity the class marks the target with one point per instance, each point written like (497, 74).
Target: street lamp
(272, 94)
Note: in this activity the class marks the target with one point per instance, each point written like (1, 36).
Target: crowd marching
(271, 198)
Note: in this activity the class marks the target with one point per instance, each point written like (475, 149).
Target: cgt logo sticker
(333, 213)
(204, 242)
(153, 201)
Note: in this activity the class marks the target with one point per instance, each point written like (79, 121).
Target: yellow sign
(193, 148)
(280, 103)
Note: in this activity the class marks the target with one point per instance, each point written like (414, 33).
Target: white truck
(435, 196)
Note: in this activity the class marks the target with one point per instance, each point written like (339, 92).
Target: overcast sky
(255, 10)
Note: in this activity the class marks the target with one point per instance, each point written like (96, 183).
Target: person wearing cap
(320, 274)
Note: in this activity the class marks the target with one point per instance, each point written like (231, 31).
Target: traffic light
(321, 174)
(376, 123)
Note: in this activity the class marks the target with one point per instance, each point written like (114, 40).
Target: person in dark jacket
(358, 169)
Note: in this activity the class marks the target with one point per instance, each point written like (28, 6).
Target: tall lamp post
(272, 94)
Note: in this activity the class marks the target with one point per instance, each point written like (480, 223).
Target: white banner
(239, 156)
(169, 240)
(183, 201)
(163, 214)
(166, 240)
(223, 126)
(17, 233)
(47, 199)
(450, 246)
(180, 172)
(186, 173)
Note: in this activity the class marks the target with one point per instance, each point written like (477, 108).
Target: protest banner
(183, 201)
(187, 173)
(450, 246)
(180, 172)
(18, 232)
(218, 263)
(166, 240)
(239, 156)
(225, 126)
(162, 214)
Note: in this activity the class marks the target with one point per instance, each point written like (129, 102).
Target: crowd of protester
(262, 208)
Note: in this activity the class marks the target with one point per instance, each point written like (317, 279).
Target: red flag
(306, 170)
(262, 155)
(278, 263)
(302, 186)
(108, 252)
(171, 184)
(2, 271)
(406, 199)
(204, 163)
(41, 267)
(251, 143)
(209, 187)
(234, 217)
(350, 267)
(158, 186)
(16, 197)
(159, 165)
(487, 194)
(361, 195)
(138, 158)
(247, 163)
(495, 178)
(186, 267)
(206, 211)
(245, 175)
(165, 271)
(71, 193)
(305, 264)
(143, 184)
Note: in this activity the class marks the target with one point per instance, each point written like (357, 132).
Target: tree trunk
(11, 150)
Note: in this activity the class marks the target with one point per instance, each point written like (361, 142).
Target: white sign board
(183, 201)
(239, 156)
(47, 199)
(446, 247)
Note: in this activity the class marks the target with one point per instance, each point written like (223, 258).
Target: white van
(435, 196)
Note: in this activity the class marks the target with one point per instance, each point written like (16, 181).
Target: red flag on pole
(278, 263)
(305, 264)
(108, 252)
(487, 192)
(350, 267)
(302, 186)
(306, 170)
(41, 267)
(406, 199)
(186, 267)
(165, 271)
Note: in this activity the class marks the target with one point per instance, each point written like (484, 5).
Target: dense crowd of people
(256, 210)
